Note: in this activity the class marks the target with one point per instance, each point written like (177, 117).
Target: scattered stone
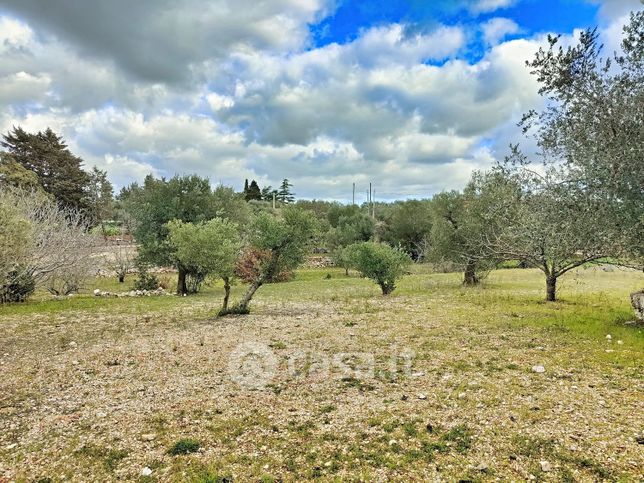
(462, 395)
(148, 437)
(132, 293)
(538, 369)
(422, 396)
(609, 337)
(640, 439)
(545, 466)
(72, 344)
(429, 428)
(418, 374)
(482, 468)
(404, 397)
(11, 446)
(620, 342)
(75, 363)
(146, 471)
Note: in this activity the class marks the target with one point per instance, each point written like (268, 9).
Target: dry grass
(98, 389)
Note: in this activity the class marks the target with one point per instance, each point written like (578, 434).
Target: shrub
(18, 285)
(381, 263)
(145, 280)
(194, 281)
(184, 446)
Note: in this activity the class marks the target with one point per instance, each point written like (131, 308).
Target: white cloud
(23, 87)
(485, 6)
(163, 41)
(395, 106)
(496, 29)
(611, 10)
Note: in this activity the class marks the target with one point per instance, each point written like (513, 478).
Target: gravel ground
(410, 388)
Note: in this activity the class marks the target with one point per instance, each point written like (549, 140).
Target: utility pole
(370, 202)
(354, 194)
(373, 205)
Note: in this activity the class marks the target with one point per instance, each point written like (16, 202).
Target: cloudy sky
(411, 95)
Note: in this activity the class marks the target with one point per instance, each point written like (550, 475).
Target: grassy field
(148, 389)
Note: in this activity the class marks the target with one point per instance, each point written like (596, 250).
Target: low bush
(18, 285)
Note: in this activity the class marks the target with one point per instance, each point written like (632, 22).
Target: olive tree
(210, 248)
(408, 225)
(186, 198)
(594, 123)
(379, 262)
(463, 222)
(553, 224)
(286, 238)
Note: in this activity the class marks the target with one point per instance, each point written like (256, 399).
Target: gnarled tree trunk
(470, 277)
(242, 306)
(551, 288)
(182, 288)
(226, 292)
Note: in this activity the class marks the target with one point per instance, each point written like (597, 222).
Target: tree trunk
(242, 306)
(470, 277)
(387, 288)
(551, 288)
(182, 288)
(226, 292)
(346, 271)
(121, 277)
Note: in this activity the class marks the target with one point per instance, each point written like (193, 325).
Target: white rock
(11, 446)
(97, 292)
(538, 369)
(609, 337)
(545, 466)
(422, 396)
(146, 471)
(620, 342)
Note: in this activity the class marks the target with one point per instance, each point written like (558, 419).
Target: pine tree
(267, 193)
(100, 198)
(284, 194)
(254, 193)
(59, 172)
